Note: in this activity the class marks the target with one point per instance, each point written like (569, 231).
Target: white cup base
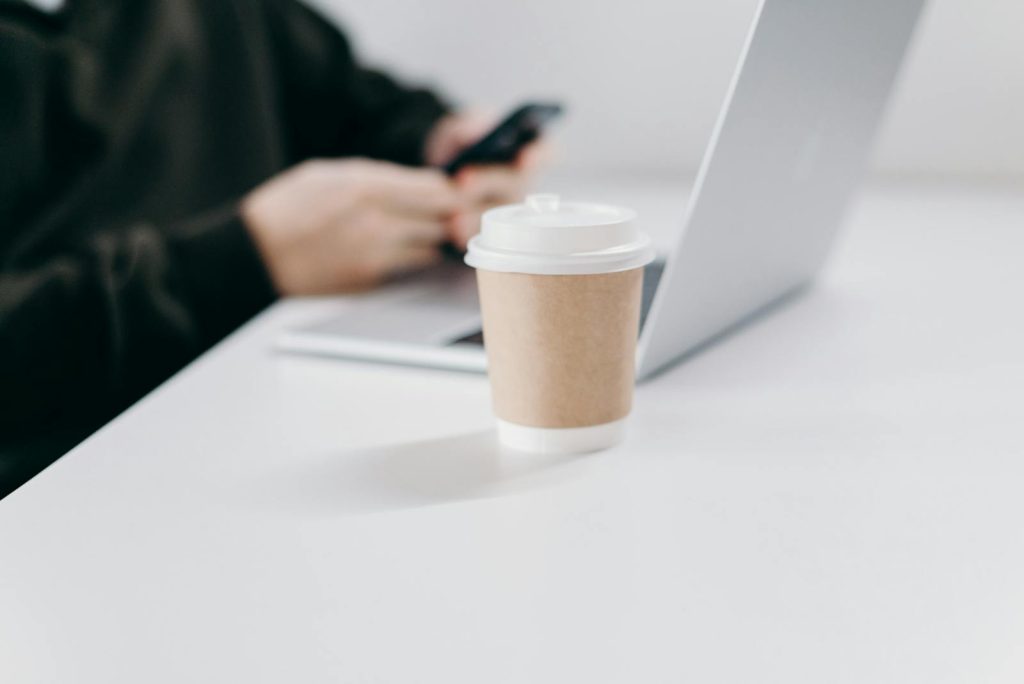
(574, 440)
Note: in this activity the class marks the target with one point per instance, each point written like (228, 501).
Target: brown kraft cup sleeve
(561, 348)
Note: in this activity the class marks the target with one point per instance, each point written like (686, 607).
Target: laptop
(784, 159)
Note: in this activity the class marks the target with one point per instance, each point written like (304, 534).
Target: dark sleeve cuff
(221, 270)
(389, 121)
(405, 141)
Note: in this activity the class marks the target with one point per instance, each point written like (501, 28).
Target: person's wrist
(222, 269)
(436, 145)
(254, 219)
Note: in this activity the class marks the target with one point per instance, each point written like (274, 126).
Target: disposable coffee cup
(560, 286)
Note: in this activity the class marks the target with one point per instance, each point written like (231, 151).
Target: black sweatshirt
(129, 130)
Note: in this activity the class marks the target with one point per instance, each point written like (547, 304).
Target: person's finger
(464, 225)
(455, 132)
(408, 229)
(414, 257)
(472, 125)
(412, 191)
(533, 156)
(491, 184)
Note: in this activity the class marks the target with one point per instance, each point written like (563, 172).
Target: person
(169, 167)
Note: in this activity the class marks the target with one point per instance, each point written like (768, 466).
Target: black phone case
(502, 144)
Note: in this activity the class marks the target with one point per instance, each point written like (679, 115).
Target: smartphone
(501, 145)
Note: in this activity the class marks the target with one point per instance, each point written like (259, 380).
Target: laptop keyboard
(652, 276)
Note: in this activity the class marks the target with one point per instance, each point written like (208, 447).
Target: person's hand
(482, 186)
(341, 225)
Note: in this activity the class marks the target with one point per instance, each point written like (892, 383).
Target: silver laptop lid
(785, 156)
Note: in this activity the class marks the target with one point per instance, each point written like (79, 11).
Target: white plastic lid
(548, 237)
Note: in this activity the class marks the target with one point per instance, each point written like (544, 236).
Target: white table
(834, 495)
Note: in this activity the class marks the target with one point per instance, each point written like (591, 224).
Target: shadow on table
(414, 474)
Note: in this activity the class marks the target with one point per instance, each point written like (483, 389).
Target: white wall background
(644, 78)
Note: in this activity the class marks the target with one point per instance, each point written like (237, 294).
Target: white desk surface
(834, 495)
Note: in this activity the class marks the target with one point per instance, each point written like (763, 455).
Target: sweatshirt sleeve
(91, 330)
(333, 105)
